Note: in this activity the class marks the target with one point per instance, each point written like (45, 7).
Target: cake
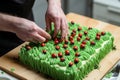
(68, 59)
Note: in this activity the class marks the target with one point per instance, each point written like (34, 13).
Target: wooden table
(7, 62)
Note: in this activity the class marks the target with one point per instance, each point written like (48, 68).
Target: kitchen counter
(113, 3)
(107, 11)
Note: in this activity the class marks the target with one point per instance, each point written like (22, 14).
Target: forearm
(54, 2)
(25, 29)
(8, 22)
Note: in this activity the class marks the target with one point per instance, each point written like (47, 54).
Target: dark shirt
(20, 8)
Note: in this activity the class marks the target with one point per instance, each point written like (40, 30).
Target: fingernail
(49, 37)
(43, 40)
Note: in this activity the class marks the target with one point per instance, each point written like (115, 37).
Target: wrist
(54, 2)
(16, 23)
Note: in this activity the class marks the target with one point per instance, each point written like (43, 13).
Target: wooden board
(7, 62)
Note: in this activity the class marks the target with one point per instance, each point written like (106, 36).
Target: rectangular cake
(69, 59)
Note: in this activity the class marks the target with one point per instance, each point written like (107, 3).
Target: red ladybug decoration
(78, 38)
(57, 47)
(80, 35)
(76, 60)
(72, 22)
(75, 48)
(56, 41)
(85, 32)
(102, 33)
(77, 54)
(70, 64)
(28, 47)
(82, 46)
(79, 28)
(54, 55)
(44, 51)
(92, 43)
(67, 52)
(97, 37)
(66, 41)
(42, 44)
(65, 46)
(60, 54)
(62, 59)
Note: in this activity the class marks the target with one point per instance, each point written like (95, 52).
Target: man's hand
(56, 15)
(23, 28)
(29, 31)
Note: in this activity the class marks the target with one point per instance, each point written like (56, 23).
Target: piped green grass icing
(81, 55)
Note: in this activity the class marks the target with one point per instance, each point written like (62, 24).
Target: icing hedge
(70, 59)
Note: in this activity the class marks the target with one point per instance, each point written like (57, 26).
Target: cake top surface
(71, 53)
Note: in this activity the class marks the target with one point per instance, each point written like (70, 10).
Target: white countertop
(5, 76)
(112, 3)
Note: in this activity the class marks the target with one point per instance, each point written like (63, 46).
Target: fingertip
(54, 35)
(39, 38)
(56, 32)
(42, 39)
(49, 37)
(46, 35)
(64, 33)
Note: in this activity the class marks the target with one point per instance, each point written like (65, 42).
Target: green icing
(85, 55)
(2, 72)
(12, 69)
(79, 64)
(89, 50)
(109, 75)
(105, 38)
(97, 45)
(64, 63)
(89, 57)
(53, 61)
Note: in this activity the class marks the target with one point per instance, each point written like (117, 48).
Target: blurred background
(104, 10)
